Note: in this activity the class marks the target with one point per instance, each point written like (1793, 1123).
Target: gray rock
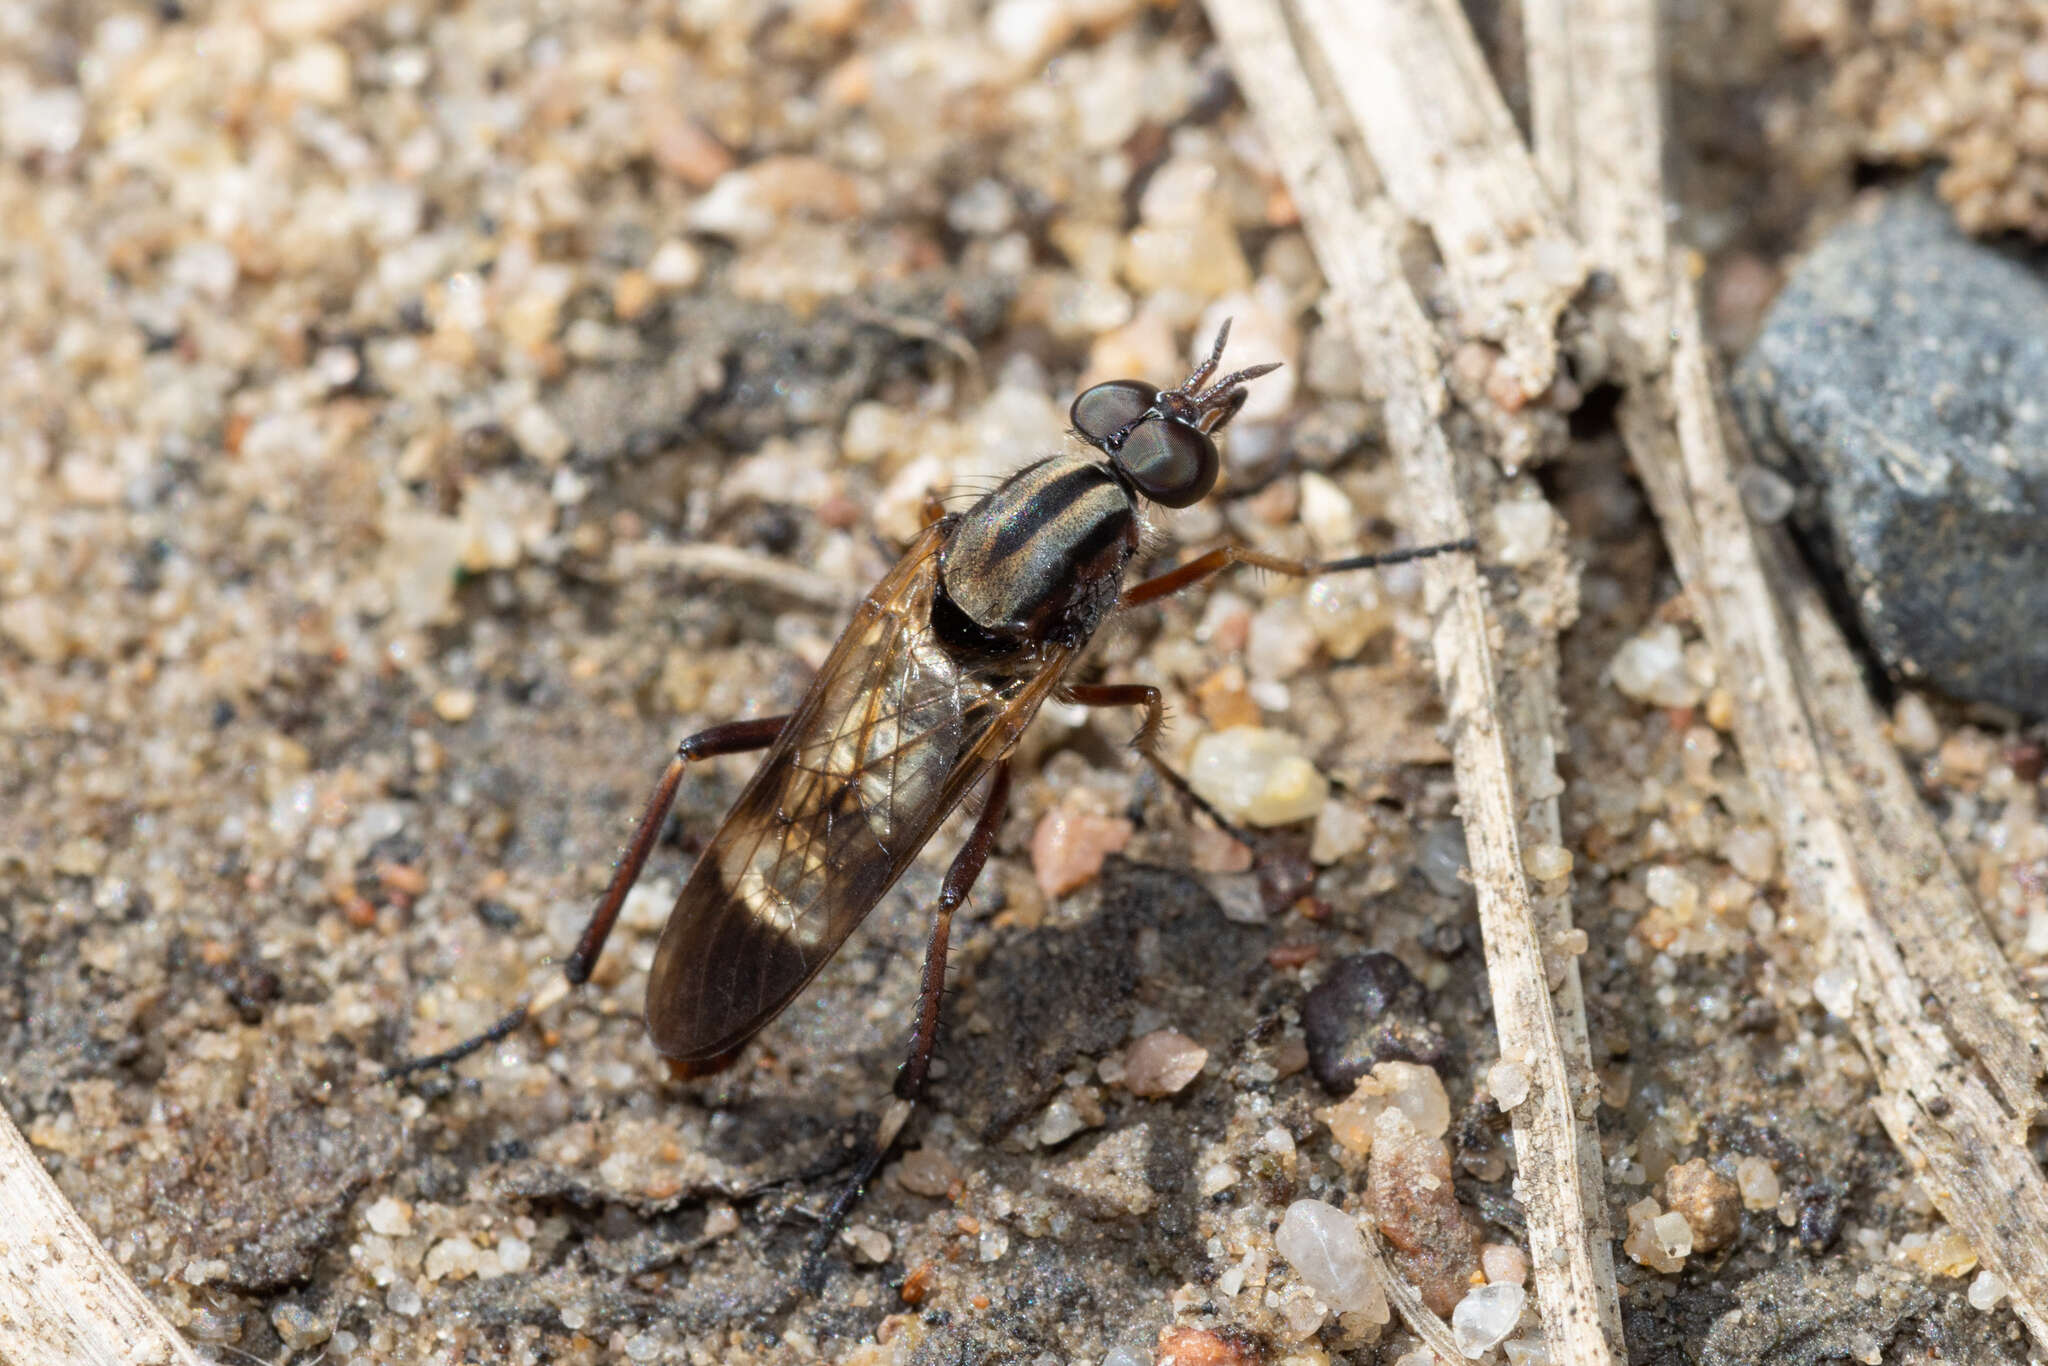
(1902, 380)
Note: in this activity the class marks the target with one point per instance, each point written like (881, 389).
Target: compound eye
(1171, 462)
(1103, 411)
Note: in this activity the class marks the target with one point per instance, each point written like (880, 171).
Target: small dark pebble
(497, 915)
(508, 1150)
(438, 1084)
(2028, 759)
(1369, 1009)
(1820, 1216)
(775, 528)
(1445, 939)
(1285, 876)
(250, 987)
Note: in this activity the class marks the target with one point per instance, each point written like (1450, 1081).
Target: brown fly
(922, 700)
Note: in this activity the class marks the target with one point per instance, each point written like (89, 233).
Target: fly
(922, 700)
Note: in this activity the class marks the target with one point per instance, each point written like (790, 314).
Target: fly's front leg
(735, 737)
(1146, 742)
(1186, 576)
(924, 1034)
(1216, 561)
(1284, 878)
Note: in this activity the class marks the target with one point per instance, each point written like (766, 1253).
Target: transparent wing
(892, 734)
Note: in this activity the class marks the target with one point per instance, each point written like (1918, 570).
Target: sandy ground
(374, 380)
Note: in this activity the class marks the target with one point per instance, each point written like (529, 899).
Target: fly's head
(1159, 440)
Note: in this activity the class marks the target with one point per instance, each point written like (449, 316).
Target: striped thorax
(1042, 557)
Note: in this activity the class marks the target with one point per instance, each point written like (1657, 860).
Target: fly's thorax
(1042, 557)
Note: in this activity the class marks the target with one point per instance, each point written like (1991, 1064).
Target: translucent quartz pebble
(1651, 668)
(1326, 1249)
(1485, 1317)
(1257, 775)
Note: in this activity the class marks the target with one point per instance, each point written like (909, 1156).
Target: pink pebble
(1162, 1063)
(1069, 845)
(1503, 1264)
(1212, 851)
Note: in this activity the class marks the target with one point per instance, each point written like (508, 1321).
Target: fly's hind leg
(924, 1034)
(735, 737)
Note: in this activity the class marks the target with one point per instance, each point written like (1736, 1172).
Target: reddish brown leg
(960, 879)
(734, 737)
(1186, 576)
(924, 1034)
(1146, 742)
(1126, 695)
(1216, 561)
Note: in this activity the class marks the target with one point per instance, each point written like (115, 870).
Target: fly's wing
(892, 734)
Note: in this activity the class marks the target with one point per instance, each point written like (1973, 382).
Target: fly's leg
(1216, 561)
(960, 879)
(1186, 576)
(735, 737)
(1146, 742)
(924, 1034)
